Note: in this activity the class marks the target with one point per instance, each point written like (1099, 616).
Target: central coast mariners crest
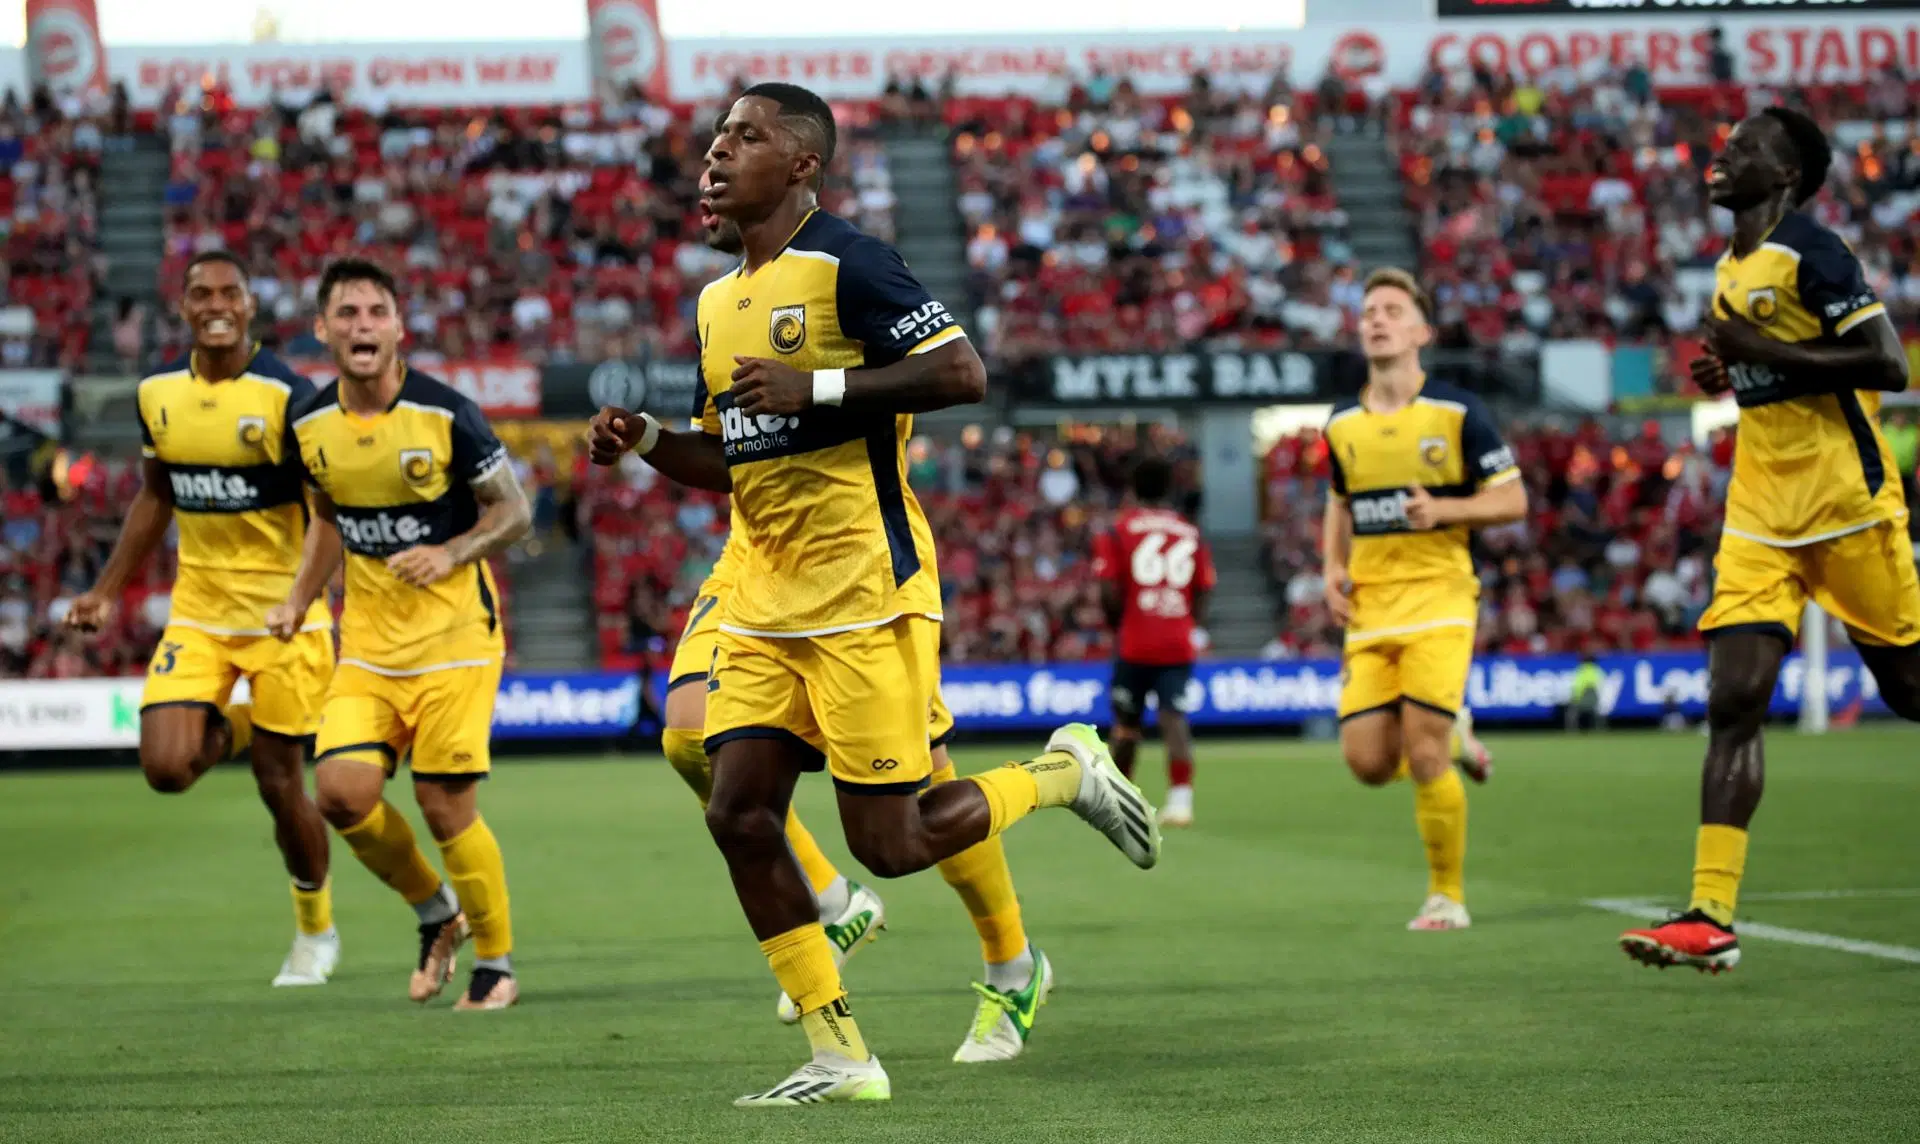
(416, 465)
(253, 432)
(1763, 306)
(787, 328)
(1433, 450)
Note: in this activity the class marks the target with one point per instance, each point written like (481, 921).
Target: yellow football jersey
(399, 479)
(1805, 468)
(237, 498)
(1444, 440)
(830, 537)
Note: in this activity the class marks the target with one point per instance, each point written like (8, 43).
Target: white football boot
(1107, 800)
(825, 1080)
(311, 960)
(1440, 913)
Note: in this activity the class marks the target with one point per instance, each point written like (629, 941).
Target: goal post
(1813, 673)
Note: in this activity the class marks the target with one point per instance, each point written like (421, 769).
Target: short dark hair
(209, 257)
(341, 271)
(805, 112)
(1810, 150)
(1395, 278)
(1152, 479)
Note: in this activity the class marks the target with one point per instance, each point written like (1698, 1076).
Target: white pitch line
(1641, 908)
(1829, 895)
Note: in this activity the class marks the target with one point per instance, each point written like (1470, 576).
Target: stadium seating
(1148, 223)
(1574, 207)
(49, 196)
(535, 233)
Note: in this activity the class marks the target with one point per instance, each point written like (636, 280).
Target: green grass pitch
(1258, 986)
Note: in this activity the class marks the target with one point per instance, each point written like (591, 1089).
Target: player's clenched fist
(283, 620)
(1710, 374)
(89, 612)
(612, 433)
(1339, 593)
(764, 386)
(422, 565)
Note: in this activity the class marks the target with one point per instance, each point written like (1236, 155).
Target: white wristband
(651, 437)
(829, 386)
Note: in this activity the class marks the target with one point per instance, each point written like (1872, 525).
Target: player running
(1815, 506)
(212, 431)
(817, 352)
(1416, 466)
(1018, 976)
(409, 478)
(1155, 575)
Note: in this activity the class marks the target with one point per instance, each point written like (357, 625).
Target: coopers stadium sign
(1508, 9)
(1771, 41)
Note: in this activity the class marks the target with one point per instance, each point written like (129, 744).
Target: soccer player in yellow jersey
(1417, 466)
(1815, 506)
(1018, 976)
(410, 479)
(816, 353)
(212, 431)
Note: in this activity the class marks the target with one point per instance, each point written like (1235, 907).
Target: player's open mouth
(217, 327)
(1716, 174)
(363, 353)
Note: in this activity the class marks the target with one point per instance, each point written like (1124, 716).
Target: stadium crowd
(1095, 219)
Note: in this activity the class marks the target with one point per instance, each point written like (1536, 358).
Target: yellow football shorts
(857, 704)
(288, 680)
(1865, 579)
(693, 658)
(939, 721)
(1409, 642)
(444, 718)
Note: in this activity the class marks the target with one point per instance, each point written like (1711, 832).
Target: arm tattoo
(505, 517)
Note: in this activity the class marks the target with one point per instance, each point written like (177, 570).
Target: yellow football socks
(979, 874)
(1018, 789)
(479, 877)
(313, 909)
(813, 861)
(1440, 812)
(802, 962)
(1719, 860)
(687, 753)
(240, 719)
(384, 844)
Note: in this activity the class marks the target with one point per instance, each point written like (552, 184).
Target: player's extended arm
(1336, 547)
(943, 377)
(505, 517)
(319, 556)
(693, 458)
(1868, 356)
(140, 533)
(146, 523)
(1494, 504)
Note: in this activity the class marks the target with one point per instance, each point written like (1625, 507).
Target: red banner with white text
(624, 40)
(1791, 47)
(64, 50)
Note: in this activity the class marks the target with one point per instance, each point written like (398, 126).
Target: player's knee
(885, 855)
(1373, 763)
(344, 795)
(740, 829)
(168, 771)
(1736, 706)
(1123, 731)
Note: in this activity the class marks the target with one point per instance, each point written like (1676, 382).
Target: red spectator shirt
(1158, 561)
